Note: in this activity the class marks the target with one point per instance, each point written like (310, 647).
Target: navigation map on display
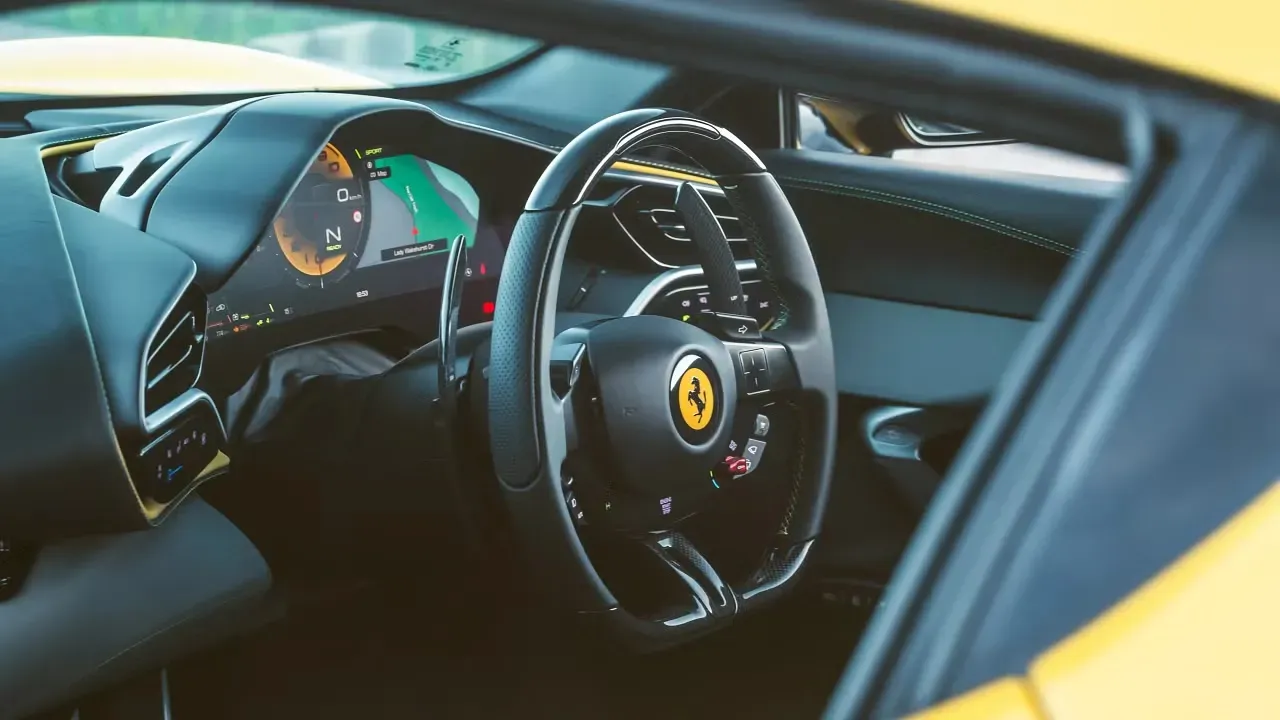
(417, 208)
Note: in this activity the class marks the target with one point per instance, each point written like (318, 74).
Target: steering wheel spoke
(778, 571)
(713, 600)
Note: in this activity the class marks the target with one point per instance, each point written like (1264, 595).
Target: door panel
(917, 354)
(992, 243)
(1040, 209)
(933, 280)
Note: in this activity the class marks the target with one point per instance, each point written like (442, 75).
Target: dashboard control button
(753, 453)
(761, 428)
(168, 464)
(575, 508)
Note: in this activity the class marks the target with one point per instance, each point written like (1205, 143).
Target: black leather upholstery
(128, 280)
(101, 609)
(60, 467)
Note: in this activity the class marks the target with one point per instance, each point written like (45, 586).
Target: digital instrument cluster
(365, 222)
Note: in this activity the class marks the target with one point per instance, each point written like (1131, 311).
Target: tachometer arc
(321, 229)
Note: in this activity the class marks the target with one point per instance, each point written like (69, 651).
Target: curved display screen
(363, 223)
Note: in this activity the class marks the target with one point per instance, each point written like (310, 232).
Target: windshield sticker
(441, 56)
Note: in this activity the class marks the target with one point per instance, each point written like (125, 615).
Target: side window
(845, 127)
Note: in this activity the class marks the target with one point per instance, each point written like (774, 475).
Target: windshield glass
(141, 47)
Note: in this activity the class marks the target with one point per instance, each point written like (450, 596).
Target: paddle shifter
(728, 318)
(450, 307)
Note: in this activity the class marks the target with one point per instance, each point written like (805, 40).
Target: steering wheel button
(729, 327)
(753, 453)
(734, 466)
(761, 428)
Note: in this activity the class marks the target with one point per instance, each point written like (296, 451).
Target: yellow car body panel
(123, 65)
(1196, 641)
(1004, 699)
(1232, 44)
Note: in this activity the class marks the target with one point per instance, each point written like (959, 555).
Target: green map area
(431, 216)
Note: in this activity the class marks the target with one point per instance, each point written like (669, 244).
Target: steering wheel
(652, 402)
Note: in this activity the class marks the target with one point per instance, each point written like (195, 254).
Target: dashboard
(212, 242)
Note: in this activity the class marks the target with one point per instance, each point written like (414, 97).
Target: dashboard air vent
(176, 351)
(670, 224)
(647, 213)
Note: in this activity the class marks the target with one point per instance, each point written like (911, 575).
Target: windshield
(140, 47)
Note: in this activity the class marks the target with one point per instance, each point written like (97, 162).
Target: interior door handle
(896, 436)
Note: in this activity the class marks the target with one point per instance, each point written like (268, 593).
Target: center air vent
(176, 351)
(647, 213)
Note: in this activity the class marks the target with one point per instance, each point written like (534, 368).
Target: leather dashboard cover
(56, 438)
(96, 610)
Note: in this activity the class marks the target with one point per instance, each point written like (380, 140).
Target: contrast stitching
(961, 214)
(936, 209)
(798, 475)
(81, 138)
(668, 166)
